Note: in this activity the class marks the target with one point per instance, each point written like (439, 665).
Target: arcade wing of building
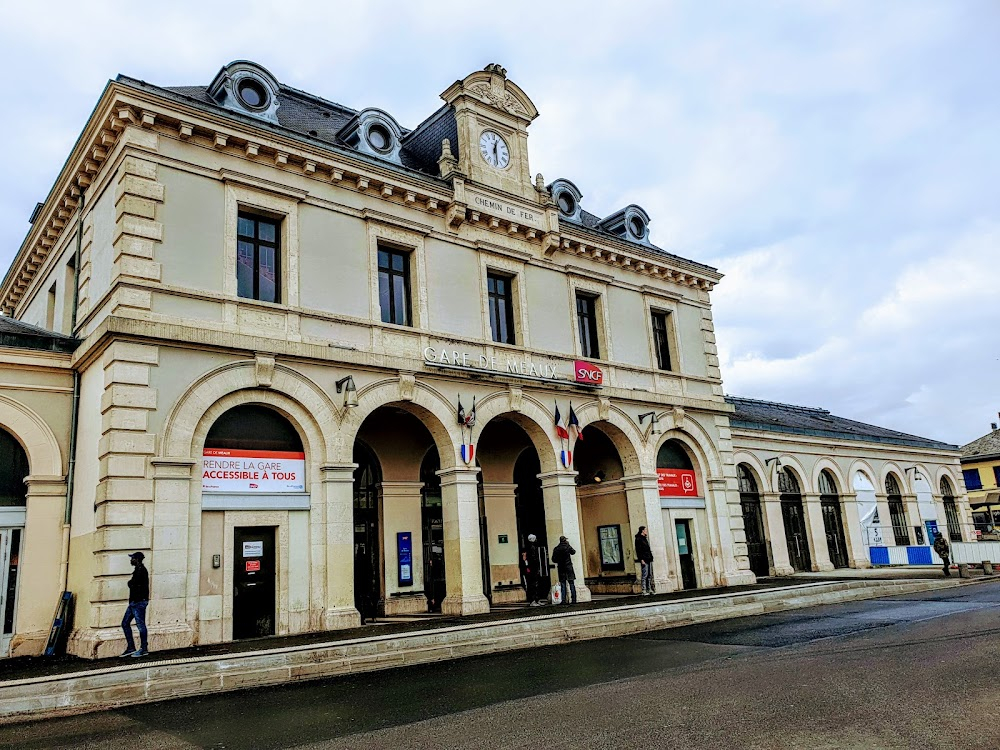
(314, 365)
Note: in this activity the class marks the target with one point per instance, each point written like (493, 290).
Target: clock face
(494, 149)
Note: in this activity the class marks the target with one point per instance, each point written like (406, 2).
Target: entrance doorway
(253, 582)
(10, 554)
(367, 560)
(432, 518)
(753, 522)
(685, 549)
(833, 522)
(793, 516)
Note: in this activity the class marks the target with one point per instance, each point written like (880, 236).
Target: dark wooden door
(253, 582)
(833, 523)
(685, 549)
(795, 534)
(753, 525)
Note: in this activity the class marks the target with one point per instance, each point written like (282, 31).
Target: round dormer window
(379, 137)
(567, 204)
(252, 93)
(637, 227)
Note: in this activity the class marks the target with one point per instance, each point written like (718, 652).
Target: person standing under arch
(644, 554)
(562, 556)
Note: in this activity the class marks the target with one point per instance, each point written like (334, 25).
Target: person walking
(644, 555)
(532, 572)
(941, 547)
(138, 599)
(562, 556)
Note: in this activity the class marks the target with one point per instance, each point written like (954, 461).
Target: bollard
(963, 570)
(987, 568)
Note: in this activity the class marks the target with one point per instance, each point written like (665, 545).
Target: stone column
(399, 510)
(338, 484)
(942, 517)
(463, 566)
(38, 571)
(776, 534)
(857, 552)
(562, 518)
(643, 499)
(817, 532)
(730, 545)
(913, 518)
(884, 520)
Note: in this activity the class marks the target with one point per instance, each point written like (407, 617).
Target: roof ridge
(796, 407)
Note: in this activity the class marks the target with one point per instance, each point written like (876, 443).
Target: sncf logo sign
(587, 373)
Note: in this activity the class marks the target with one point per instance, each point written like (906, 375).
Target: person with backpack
(644, 555)
(941, 547)
(562, 556)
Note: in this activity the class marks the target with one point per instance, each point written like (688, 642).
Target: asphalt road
(920, 671)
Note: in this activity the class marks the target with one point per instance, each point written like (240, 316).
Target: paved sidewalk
(27, 667)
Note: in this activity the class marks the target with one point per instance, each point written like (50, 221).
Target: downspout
(75, 418)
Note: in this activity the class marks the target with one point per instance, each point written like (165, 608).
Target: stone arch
(828, 464)
(531, 416)
(623, 433)
(911, 477)
(891, 467)
(286, 387)
(696, 438)
(34, 435)
(945, 471)
(789, 462)
(420, 399)
(860, 464)
(757, 469)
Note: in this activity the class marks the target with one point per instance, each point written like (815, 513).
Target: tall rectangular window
(500, 291)
(394, 286)
(257, 258)
(661, 340)
(586, 320)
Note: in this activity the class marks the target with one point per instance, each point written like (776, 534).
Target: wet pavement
(917, 670)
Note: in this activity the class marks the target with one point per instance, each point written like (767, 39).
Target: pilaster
(888, 536)
(817, 532)
(338, 487)
(462, 561)
(857, 552)
(400, 511)
(731, 554)
(776, 534)
(137, 233)
(562, 518)
(499, 503)
(643, 497)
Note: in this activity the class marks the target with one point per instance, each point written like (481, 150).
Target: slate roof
(19, 335)
(310, 117)
(986, 447)
(753, 414)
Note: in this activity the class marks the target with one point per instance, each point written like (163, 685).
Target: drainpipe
(75, 418)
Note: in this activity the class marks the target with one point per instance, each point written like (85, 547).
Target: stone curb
(111, 687)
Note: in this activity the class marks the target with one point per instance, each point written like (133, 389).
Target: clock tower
(492, 115)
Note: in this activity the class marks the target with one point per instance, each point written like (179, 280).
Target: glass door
(10, 558)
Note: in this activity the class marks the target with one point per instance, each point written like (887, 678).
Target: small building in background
(981, 472)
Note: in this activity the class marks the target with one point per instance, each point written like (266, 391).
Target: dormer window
(566, 203)
(567, 198)
(251, 93)
(631, 223)
(637, 228)
(247, 88)
(374, 132)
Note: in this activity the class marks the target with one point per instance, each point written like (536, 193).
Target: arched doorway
(793, 516)
(253, 457)
(367, 560)
(13, 504)
(432, 530)
(608, 557)
(897, 513)
(676, 478)
(753, 521)
(950, 511)
(833, 520)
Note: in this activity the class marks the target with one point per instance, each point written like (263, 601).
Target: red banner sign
(588, 373)
(676, 483)
(253, 565)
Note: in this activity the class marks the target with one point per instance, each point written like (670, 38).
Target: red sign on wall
(253, 565)
(676, 483)
(587, 373)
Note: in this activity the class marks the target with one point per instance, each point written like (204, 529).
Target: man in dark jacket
(941, 547)
(644, 555)
(138, 598)
(531, 569)
(562, 557)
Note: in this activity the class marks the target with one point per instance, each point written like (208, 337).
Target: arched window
(950, 510)
(753, 521)
(894, 497)
(827, 485)
(748, 485)
(673, 456)
(13, 470)
(787, 483)
(253, 427)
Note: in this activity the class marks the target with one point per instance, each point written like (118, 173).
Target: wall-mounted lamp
(350, 391)
(654, 422)
(915, 470)
(777, 463)
(599, 477)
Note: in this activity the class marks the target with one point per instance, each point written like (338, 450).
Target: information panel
(676, 483)
(404, 549)
(230, 470)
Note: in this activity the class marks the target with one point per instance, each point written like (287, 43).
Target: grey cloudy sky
(837, 161)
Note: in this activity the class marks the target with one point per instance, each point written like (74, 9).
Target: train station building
(314, 363)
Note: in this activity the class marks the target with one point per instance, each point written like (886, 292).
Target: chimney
(993, 426)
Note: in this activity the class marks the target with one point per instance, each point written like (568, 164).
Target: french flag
(567, 459)
(561, 431)
(574, 423)
(468, 452)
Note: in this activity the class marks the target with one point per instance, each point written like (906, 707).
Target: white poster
(229, 470)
